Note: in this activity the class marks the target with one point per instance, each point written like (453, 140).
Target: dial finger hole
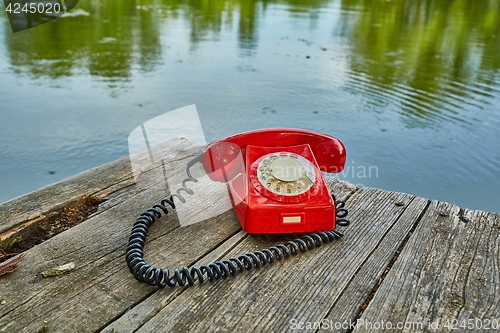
(291, 188)
(278, 187)
(300, 183)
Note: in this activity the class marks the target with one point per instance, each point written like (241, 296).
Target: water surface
(411, 88)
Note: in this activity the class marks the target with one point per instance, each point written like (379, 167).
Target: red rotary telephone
(274, 178)
(276, 186)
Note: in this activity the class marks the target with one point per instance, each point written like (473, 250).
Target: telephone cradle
(275, 183)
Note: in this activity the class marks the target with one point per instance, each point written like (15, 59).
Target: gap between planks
(218, 253)
(301, 291)
(448, 271)
(391, 263)
(127, 323)
(133, 319)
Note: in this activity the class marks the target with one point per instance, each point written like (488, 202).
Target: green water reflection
(430, 47)
(412, 45)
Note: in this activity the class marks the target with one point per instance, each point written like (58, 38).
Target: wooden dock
(405, 263)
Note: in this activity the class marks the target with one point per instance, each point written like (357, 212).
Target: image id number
(472, 324)
(41, 8)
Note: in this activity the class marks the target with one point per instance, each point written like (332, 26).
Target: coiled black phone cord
(153, 276)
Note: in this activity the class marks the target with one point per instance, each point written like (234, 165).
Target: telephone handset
(275, 185)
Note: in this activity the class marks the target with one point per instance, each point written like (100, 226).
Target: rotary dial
(286, 173)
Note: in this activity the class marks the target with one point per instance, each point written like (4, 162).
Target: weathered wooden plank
(304, 288)
(449, 270)
(101, 288)
(358, 292)
(35, 204)
(99, 182)
(144, 311)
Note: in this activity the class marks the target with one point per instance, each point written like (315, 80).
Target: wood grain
(99, 182)
(448, 270)
(358, 292)
(304, 288)
(100, 287)
(238, 244)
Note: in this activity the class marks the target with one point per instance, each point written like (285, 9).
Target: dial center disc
(287, 169)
